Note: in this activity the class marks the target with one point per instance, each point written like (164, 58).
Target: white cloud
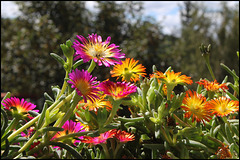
(9, 9)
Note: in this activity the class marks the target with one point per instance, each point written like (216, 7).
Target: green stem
(105, 149)
(166, 135)
(92, 66)
(63, 87)
(181, 122)
(206, 57)
(29, 142)
(119, 145)
(113, 112)
(11, 126)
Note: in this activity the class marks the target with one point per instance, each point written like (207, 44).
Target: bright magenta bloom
(70, 127)
(18, 106)
(84, 84)
(123, 136)
(117, 90)
(100, 139)
(94, 48)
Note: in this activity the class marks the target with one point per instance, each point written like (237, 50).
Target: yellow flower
(194, 105)
(223, 106)
(128, 70)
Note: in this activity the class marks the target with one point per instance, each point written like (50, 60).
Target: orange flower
(223, 106)
(213, 86)
(195, 105)
(128, 70)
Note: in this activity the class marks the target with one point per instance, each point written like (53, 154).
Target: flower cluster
(84, 118)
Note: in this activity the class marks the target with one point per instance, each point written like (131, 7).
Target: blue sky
(165, 12)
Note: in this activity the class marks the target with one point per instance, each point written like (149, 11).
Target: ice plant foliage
(194, 105)
(117, 90)
(94, 48)
(213, 86)
(223, 106)
(84, 84)
(128, 70)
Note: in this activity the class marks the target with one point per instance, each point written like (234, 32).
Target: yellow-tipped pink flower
(70, 127)
(94, 48)
(117, 90)
(84, 84)
(18, 107)
(128, 70)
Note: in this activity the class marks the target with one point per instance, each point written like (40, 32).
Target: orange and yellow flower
(173, 78)
(128, 70)
(223, 106)
(213, 86)
(194, 105)
(95, 105)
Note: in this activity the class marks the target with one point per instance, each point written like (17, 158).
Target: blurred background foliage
(27, 69)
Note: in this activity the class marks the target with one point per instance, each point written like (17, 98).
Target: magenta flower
(100, 52)
(117, 90)
(17, 106)
(70, 127)
(84, 84)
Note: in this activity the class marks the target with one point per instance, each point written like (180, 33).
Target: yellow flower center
(83, 87)
(97, 50)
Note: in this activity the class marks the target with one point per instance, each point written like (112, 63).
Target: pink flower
(84, 84)
(94, 48)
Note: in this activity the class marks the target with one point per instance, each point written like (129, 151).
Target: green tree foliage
(198, 26)
(195, 30)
